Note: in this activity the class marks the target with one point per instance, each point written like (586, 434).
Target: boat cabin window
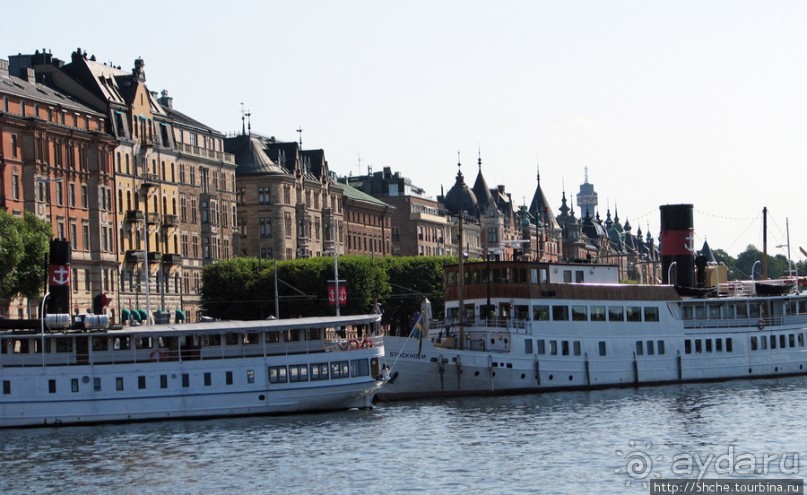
(688, 346)
(597, 313)
(639, 348)
(616, 313)
(228, 377)
(51, 386)
(272, 337)
(96, 384)
(340, 369)
(800, 338)
(319, 371)
(719, 345)
(315, 334)
(782, 341)
(539, 275)
(579, 276)
(579, 313)
(567, 276)
(208, 379)
(729, 345)
(753, 343)
(540, 312)
(660, 347)
(553, 347)
(651, 313)
(714, 311)
(359, 367)
(541, 346)
(802, 306)
(252, 338)
(522, 312)
(99, 344)
(163, 381)
(250, 376)
(142, 342)
(741, 310)
(565, 347)
(231, 339)
(560, 313)
(602, 348)
(528, 346)
(773, 341)
(576, 347)
(121, 343)
(277, 374)
(64, 344)
(211, 340)
(298, 373)
(634, 313)
(763, 342)
(650, 348)
(6, 387)
(708, 345)
(119, 383)
(754, 311)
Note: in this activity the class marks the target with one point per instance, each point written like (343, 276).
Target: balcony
(172, 259)
(153, 219)
(155, 256)
(134, 216)
(134, 256)
(170, 221)
(205, 153)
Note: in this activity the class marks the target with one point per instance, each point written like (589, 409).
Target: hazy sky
(664, 102)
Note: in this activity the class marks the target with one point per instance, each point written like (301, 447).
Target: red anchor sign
(332, 295)
(59, 275)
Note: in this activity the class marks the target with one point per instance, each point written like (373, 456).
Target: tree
(11, 251)
(32, 272)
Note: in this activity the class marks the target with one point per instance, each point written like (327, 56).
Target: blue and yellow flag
(419, 330)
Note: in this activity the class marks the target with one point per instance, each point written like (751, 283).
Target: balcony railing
(134, 216)
(205, 153)
(172, 259)
(170, 221)
(134, 256)
(155, 256)
(153, 218)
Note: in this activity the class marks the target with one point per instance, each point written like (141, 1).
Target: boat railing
(760, 323)
(512, 325)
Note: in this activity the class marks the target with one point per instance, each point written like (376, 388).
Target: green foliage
(243, 288)
(32, 272)
(11, 251)
(23, 250)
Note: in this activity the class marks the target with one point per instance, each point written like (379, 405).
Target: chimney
(165, 100)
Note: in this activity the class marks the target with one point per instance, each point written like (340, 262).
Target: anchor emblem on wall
(59, 274)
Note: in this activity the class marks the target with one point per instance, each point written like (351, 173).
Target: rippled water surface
(610, 441)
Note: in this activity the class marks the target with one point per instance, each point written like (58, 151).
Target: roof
(251, 157)
(41, 93)
(357, 195)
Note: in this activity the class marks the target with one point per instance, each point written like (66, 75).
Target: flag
(419, 330)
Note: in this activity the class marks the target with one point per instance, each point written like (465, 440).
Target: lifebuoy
(354, 344)
(157, 355)
(761, 324)
(366, 344)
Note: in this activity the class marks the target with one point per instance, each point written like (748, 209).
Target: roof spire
(300, 132)
(479, 159)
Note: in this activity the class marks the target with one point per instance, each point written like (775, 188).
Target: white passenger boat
(574, 326)
(550, 334)
(213, 369)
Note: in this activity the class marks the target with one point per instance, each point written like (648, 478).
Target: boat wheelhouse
(213, 369)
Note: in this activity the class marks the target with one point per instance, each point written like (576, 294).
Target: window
(708, 343)
(340, 369)
(228, 378)
(263, 195)
(602, 348)
(651, 314)
(634, 313)
(163, 381)
(186, 380)
(639, 348)
(565, 347)
(528, 346)
(250, 376)
(208, 378)
(96, 384)
(650, 348)
(141, 382)
(729, 345)
(298, 373)
(660, 347)
(754, 344)
(52, 386)
(576, 347)
(688, 346)
(560, 313)
(6, 387)
(579, 313)
(597, 313)
(616, 313)
(74, 385)
(718, 345)
(553, 347)
(541, 346)
(698, 346)
(119, 383)
(277, 374)
(359, 367)
(540, 312)
(319, 371)
(266, 227)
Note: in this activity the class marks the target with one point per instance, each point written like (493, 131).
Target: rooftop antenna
(243, 118)
(300, 132)
(359, 165)
(249, 122)
(586, 174)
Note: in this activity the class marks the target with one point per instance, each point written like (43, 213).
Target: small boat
(775, 287)
(196, 370)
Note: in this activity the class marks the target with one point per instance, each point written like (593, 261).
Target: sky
(703, 103)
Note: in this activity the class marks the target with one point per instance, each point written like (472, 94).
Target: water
(609, 441)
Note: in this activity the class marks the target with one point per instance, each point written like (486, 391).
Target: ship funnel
(677, 245)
